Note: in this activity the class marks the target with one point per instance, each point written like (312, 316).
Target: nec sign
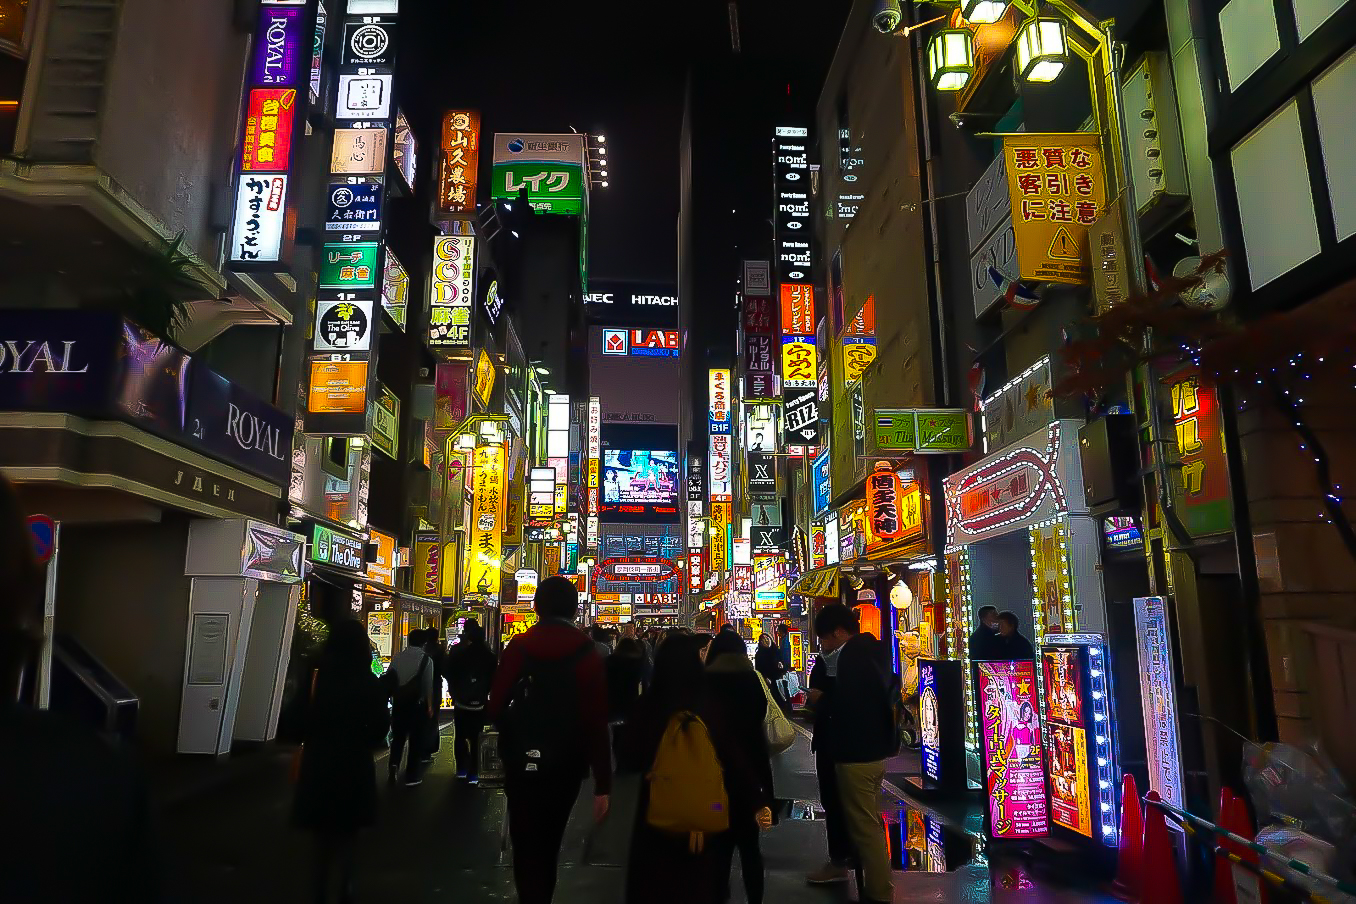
(642, 343)
(662, 301)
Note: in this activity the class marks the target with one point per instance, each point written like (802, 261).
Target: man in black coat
(1011, 644)
(860, 733)
(984, 643)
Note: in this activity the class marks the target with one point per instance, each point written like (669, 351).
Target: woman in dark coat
(663, 869)
(337, 780)
(732, 679)
(625, 671)
(770, 664)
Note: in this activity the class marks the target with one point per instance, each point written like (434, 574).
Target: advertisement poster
(487, 517)
(338, 387)
(929, 721)
(1070, 793)
(426, 566)
(379, 627)
(1013, 761)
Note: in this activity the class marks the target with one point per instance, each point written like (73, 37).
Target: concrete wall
(171, 110)
(122, 594)
(1305, 573)
(869, 92)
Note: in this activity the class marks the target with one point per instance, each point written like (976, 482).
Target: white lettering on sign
(251, 433)
(15, 360)
(663, 301)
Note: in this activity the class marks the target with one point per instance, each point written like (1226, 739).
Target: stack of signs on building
(794, 245)
(274, 115)
(352, 261)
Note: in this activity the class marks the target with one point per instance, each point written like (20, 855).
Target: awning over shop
(819, 582)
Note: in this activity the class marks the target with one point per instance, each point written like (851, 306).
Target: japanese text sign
(348, 265)
(459, 161)
(718, 391)
(857, 357)
(720, 523)
(483, 546)
(798, 309)
(450, 290)
(758, 316)
(268, 130)
(883, 492)
(799, 367)
(1203, 492)
(1013, 761)
(1058, 190)
(358, 151)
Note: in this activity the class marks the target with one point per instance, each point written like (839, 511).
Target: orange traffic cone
(1231, 879)
(1161, 882)
(1130, 856)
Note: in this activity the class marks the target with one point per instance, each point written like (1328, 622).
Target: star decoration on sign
(1033, 397)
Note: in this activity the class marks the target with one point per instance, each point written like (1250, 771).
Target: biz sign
(718, 464)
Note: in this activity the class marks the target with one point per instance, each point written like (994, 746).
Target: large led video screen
(640, 476)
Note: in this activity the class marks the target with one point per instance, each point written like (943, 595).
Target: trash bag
(1292, 787)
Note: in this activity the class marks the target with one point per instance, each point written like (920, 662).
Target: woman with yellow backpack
(698, 783)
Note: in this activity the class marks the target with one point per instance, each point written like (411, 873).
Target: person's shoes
(828, 874)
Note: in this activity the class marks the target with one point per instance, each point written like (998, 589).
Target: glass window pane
(1333, 93)
(1248, 29)
(1275, 203)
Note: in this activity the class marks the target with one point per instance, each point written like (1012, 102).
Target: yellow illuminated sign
(1058, 190)
(485, 541)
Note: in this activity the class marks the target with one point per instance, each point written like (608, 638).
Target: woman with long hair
(665, 867)
(732, 679)
(336, 791)
(768, 660)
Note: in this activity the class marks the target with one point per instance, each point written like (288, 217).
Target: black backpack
(539, 729)
(471, 679)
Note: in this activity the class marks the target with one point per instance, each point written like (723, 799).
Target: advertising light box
(640, 476)
(358, 151)
(343, 326)
(364, 97)
(1079, 724)
(260, 211)
(349, 265)
(269, 121)
(370, 43)
(1013, 762)
(354, 207)
(278, 39)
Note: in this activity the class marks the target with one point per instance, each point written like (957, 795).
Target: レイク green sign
(551, 187)
(348, 265)
(922, 430)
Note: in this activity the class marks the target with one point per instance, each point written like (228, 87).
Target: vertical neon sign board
(1158, 697)
(1013, 761)
(927, 708)
(273, 109)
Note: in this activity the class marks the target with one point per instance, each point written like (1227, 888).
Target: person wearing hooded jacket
(732, 678)
(470, 669)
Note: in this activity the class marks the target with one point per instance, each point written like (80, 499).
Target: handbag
(780, 733)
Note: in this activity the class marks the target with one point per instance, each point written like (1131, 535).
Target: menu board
(1013, 764)
(1070, 793)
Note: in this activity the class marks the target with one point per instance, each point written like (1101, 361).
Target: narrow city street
(447, 842)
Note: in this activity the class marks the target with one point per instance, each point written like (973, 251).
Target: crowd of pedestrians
(692, 714)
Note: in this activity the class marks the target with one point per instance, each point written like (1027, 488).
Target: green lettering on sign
(348, 265)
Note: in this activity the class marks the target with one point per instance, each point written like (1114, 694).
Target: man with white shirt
(410, 679)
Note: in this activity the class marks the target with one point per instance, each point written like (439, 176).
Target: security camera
(887, 16)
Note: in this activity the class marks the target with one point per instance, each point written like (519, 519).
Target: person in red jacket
(549, 700)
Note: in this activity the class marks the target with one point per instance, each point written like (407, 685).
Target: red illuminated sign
(268, 130)
(637, 570)
(798, 309)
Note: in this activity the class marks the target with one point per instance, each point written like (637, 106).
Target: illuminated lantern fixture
(951, 59)
(983, 12)
(1041, 50)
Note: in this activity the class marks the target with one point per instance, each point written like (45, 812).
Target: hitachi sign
(662, 301)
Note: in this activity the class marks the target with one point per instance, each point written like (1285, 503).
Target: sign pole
(49, 622)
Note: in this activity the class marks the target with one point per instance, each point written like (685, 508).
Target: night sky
(603, 66)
